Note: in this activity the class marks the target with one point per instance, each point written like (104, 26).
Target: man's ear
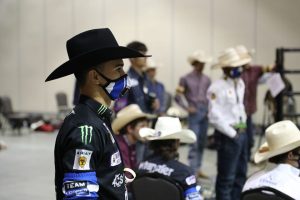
(94, 77)
(290, 155)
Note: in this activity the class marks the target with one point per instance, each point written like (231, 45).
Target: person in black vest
(88, 164)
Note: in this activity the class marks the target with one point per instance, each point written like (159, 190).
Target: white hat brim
(259, 157)
(185, 135)
(233, 64)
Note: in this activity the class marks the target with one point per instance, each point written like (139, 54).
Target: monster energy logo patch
(86, 133)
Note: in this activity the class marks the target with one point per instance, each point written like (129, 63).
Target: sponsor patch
(190, 180)
(213, 96)
(115, 159)
(75, 185)
(153, 167)
(118, 180)
(73, 188)
(86, 134)
(82, 159)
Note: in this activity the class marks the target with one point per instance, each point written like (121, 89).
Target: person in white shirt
(226, 113)
(282, 148)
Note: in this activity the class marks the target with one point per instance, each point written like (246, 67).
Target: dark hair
(132, 124)
(281, 158)
(80, 75)
(165, 148)
(138, 46)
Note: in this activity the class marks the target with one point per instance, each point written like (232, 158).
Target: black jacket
(88, 163)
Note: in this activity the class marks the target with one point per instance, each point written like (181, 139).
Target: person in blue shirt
(155, 86)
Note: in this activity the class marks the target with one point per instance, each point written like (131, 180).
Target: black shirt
(174, 169)
(88, 163)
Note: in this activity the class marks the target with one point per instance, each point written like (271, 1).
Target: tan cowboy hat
(244, 54)
(167, 128)
(199, 56)
(281, 137)
(229, 58)
(127, 115)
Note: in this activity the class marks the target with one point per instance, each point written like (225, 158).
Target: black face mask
(115, 88)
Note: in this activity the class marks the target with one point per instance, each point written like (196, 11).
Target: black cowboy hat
(91, 48)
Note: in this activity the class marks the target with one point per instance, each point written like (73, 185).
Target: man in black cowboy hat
(88, 164)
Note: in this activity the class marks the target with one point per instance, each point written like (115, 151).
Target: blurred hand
(155, 105)
(192, 109)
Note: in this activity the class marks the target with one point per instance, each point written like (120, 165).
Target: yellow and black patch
(213, 96)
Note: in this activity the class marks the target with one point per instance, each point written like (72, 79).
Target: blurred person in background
(155, 86)
(251, 76)
(127, 124)
(88, 164)
(227, 114)
(164, 141)
(191, 95)
(139, 92)
(282, 150)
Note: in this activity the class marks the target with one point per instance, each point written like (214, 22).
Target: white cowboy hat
(229, 58)
(167, 128)
(281, 137)
(244, 54)
(199, 56)
(127, 115)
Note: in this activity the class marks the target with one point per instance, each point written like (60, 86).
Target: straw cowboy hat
(199, 56)
(229, 58)
(127, 115)
(281, 137)
(91, 48)
(167, 128)
(244, 54)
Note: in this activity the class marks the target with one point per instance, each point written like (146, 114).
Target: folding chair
(153, 186)
(15, 119)
(265, 193)
(62, 104)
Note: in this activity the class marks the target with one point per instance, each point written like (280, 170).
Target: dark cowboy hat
(91, 48)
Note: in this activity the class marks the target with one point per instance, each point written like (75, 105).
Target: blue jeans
(232, 166)
(198, 122)
(250, 134)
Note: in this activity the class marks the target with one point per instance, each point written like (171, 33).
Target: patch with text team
(115, 159)
(86, 134)
(82, 159)
(72, 188)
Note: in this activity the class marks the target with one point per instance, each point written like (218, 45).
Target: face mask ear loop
(102, 75)
(129, 180)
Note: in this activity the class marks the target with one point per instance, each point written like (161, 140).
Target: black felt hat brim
(93, 58)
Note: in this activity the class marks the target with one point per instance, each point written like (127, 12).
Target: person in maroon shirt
(191, 96)
(127, 124)
(250, 75)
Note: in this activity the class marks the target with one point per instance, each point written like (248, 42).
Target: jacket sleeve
(79, 163)
(216, 112)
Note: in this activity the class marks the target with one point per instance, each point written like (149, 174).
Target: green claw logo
(86, 134)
